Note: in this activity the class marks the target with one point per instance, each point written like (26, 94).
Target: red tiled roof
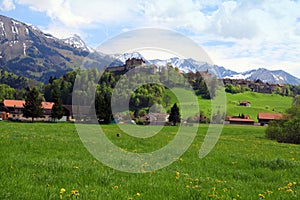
(240, 120)
(14, 103)
(19, 104)
(269, 116)
(47, 105)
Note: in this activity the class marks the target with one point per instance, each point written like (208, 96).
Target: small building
(265, 118)
(242, 120)
(155, 119)
(245, 103)
(14, 109)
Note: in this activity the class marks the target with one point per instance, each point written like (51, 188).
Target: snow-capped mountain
(267, 76)
(191, 65)
(76, 42)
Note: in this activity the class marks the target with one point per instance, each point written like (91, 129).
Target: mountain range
(191, 65)
(27, 51)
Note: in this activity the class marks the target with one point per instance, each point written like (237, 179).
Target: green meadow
(273, 103)
(49, 161)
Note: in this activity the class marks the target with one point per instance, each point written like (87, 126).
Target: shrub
(287, 131)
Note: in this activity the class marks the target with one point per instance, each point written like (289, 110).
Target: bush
(287, 131)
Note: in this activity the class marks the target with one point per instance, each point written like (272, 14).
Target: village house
(255, 86)
(155, 119)
(265, 118)
(14, 109)
(241, 120)
(245, 103)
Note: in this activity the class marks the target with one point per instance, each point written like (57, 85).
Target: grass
(259, 103)
(39, 160)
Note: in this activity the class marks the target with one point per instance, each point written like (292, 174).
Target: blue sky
(239, 35)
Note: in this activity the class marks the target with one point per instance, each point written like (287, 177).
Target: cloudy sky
(239, 35)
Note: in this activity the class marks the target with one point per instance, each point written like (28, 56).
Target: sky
(239, 35)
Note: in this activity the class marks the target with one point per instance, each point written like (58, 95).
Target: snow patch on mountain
(76, 42)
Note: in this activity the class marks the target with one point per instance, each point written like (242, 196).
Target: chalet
(155, 119)
(242, 120)
(265, 118)
(14, 109)
(245, 103)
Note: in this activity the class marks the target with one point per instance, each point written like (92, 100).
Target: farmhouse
(14, 109)
(242, 120)
(245, 103)
(265, 118)
(155, 118)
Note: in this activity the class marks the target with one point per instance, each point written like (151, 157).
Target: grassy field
(259, 103)
(48, 161)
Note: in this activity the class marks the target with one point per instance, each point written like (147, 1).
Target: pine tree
(57, 109)
(174, 115)
(33, 105)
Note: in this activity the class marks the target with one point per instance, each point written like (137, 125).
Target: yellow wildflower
(261, 196)
(138, 194)
(129, 198)
(213, 188)
(116, 187)
(289, 191)
(177, 173)
(289, 185)
(75, 192)
(292, 159)
(62, 190)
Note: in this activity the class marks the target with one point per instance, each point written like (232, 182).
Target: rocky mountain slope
(27, 51)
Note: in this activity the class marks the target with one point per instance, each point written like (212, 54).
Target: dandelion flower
(289, 191)
(138, 194)
(116, 187)
(62, 190)
(261, 196)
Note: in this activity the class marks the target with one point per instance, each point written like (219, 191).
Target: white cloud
(7, 5)
(261, 32)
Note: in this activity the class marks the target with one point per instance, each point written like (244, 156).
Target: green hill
(259, 103)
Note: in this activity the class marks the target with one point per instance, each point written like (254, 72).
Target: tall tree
(103, 104)
(33, 105)
(57, 109)
(174, 115)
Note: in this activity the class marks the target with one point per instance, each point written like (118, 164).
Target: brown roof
(19, 104)
(240, 120)
(269, 116)
(244, 102)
